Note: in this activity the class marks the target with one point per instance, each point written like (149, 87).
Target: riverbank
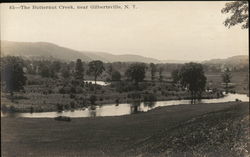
(131, 135)
(47, 95)
(36, 102)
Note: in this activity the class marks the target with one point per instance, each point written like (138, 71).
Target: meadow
(204, 130)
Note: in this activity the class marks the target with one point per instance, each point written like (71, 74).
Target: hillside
(235, 60)
(44, 50)
(40, 50)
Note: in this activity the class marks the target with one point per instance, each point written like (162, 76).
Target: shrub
(59, 107)
(79, 90)
(50, 91)
(91, 88)
(117, 101)
(116, 76)
(66, 107)
(92, 99)
(98, 87)
(31, 109)
(72, 90)
(72, 96)
(135, 95)
(150, 97)
(72, 105)
(62, 91)
(12, 109)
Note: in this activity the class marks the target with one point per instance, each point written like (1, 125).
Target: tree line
(190, 76)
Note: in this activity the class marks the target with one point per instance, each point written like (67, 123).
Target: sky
(162, 30)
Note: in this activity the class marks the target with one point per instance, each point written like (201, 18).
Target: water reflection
(195, 101)
(102, 83)
(135, 107)
(123, 109)
(92, 113)
(149, 104)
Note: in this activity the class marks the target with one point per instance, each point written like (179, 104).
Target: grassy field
(191, 130)
(239, 80)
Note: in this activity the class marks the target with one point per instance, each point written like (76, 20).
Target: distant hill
(235, 60)
(108, 57)
(40, 50)
(44, 50)
(179, 61)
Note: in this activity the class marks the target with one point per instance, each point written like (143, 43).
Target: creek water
(123, 108)
(102, 83)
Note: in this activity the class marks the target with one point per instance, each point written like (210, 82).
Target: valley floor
(219, 129)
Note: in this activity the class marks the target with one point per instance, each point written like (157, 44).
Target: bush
(150, 97)
(72, 90)
(50, 91)
(142, 86)
(117, 101)
(116, 76)
(124, 86)
(72, 104)
(59, 107)
(135, 95)
(66, 107)
(79, 90)
(31, 109)
(72, 96)
(98, 87)
(62, 91)
(92, 99)
(12, 109)
(91, 87)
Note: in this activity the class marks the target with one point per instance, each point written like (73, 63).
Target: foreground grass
(194, 130)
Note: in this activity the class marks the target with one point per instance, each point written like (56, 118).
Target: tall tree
(96, 68)
(65, 72)
(239, 14)
(79, 70)
(45, 69)
(56, 66)
(12, 74)
(160, 70)
(116, 76)
(226, 77)
(136, 72)
(192, 77)
(109, 70)
(175, 76)
(153, 70)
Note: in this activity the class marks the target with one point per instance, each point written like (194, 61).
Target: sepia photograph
(125, 79)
